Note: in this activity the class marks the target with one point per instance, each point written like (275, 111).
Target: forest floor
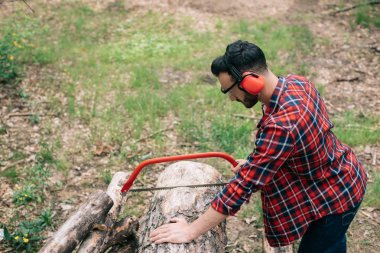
(346, 66)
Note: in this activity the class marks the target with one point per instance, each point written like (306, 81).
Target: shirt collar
(275, 95)
(273, 100)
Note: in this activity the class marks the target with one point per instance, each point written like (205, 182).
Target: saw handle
(137, 170)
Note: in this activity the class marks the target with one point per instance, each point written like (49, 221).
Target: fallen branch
(103, 237)
(98, 240)
(355, 6)
(26, 114)
(28, 6)
(370, 216)
(153, 134)
(124, 231)
(353, 79)
(13, 164)
(375, 49)
(19, 114)
(72, 232)
(244, 116)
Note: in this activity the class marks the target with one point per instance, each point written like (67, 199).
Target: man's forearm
(206, 221)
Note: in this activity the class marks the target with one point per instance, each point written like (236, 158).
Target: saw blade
(176, 186)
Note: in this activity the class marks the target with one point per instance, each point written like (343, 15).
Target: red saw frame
(137, 170)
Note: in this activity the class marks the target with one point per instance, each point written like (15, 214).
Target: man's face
(236, 94)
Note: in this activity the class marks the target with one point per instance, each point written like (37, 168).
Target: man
(311, 184)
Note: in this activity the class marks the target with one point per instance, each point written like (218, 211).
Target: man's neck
(271, 81)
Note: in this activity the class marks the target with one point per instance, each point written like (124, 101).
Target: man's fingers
(176, 219)
(159, 230)
(158, 237)
(162, 240)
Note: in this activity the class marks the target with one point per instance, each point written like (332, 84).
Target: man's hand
(178, 231)
(237, 168)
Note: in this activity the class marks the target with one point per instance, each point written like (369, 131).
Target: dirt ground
(347, 67)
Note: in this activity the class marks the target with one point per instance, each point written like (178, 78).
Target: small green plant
(25, 195)
(27, 234)
(3, 130)
(10, 45)
(106, 176)
(45, 155)
(21, 93)
(367, 15)
(46, 218)
(34, 119)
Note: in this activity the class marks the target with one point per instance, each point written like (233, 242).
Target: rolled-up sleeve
(274, 144)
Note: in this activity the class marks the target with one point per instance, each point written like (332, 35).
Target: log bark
(72, 232)
(123, 234)
(268, 249)
(183, 202)
(100, 238)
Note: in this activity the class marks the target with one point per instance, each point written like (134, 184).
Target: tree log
(72, 232)
(123, 234)
(183, 202)
(98, 240)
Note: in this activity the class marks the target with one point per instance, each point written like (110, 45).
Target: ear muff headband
(249, 81)
(234, 72)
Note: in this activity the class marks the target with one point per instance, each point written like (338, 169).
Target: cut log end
(184, 202)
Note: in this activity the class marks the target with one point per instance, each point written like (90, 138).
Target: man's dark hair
(243, 55)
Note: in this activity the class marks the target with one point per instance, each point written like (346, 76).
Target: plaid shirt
(303, 171)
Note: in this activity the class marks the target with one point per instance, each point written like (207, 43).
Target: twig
(244, 116)
(370, 216)
(13, 164)
(375, 49)
(360, 128)
(28, 6)
(355, 6)
(26, 114)
(19, 114)
(153, 134)
(353, 79)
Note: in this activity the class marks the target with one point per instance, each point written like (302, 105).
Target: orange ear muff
(252, 83)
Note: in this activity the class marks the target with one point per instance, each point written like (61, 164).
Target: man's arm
(179, 231)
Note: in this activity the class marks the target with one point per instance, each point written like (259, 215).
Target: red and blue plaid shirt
(302, 170)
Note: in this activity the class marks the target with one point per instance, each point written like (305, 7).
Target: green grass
(106, 176)
(373, 191)
(367, 16)
(11, 174)
(357, 129)
(97, 51)
(252, 211)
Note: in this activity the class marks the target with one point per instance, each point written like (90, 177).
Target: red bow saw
(137, 170)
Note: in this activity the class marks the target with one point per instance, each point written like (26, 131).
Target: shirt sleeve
(273, 146)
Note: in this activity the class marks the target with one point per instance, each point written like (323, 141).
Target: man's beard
(249, 100)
